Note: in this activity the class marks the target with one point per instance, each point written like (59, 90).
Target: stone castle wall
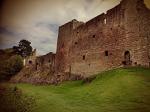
(46, 62)
(104, 42)
(30, 61)
(41, 63)
(121, 37)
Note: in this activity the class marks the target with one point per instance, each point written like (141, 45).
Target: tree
(24, 48)
(10, 67)
(14, 65)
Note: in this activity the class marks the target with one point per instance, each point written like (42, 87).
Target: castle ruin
(115, 39)
(119, 38)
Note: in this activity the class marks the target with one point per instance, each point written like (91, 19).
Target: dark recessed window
(76, 43)
(148, 56)
(106, 53)
(30, 62)
(83, 57)
(77, 32)
(94, 36)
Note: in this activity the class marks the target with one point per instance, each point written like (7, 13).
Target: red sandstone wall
(137, 21)
(92, 40)
(63, 45)
(46, 62)
(81, 46)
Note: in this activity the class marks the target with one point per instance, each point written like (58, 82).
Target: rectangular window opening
(94, 36)
(76, 43)
(83, 57)
(106, 53)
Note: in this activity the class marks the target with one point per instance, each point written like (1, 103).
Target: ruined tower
(63, 45)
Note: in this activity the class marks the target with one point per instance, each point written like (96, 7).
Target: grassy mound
(120, 90)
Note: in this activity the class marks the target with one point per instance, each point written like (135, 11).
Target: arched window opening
(30, 62)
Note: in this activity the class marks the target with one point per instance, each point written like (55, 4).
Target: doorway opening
(127, 58)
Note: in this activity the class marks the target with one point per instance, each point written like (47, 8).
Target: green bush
(10, 67)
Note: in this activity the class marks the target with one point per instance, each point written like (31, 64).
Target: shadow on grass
(13, 100)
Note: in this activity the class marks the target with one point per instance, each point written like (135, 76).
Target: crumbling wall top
(72, 24)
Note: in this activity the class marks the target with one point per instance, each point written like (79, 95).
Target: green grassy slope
(120, 90)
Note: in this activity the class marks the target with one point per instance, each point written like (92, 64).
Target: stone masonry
(119, 38)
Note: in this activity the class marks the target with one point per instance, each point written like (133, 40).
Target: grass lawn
(120, 90)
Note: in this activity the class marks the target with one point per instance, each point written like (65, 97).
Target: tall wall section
(46, 62)
(137, 28)
(95, 44)
(63, 44)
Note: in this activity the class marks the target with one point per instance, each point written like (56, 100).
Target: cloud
(38, 20)
(8, 37)
(4, 31)
(52, 27)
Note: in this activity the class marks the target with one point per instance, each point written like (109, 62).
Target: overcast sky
(38, 20)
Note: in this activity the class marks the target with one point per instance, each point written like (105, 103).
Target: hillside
(6, 54)
(10, 64)
(120, 90)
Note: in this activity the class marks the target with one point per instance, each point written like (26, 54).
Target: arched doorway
(127, 59)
